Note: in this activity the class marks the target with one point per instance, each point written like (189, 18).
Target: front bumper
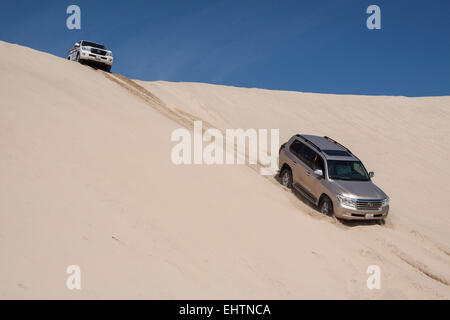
(353, 214)
(89, 56)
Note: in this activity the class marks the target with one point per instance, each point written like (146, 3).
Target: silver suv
(331, 177)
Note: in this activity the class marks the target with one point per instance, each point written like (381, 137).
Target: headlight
(109, 53)
(85, 48)
(346, 202)
(385, 202)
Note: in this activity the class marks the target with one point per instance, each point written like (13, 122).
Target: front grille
(98, 51)
(368, 205)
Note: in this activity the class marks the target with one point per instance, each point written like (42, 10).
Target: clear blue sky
(312, 46)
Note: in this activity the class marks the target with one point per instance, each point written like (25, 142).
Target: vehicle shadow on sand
(95, 66)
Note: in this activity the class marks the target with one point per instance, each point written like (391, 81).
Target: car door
(293, 156)
(313, 183)
(74, 50)
(304, 168)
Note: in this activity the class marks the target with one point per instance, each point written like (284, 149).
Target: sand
(86, 179)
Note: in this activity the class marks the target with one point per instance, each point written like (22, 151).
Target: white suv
(90, 52)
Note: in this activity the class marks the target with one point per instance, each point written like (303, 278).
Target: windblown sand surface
(86, 179)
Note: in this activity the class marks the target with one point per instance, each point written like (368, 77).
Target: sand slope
(86, 179)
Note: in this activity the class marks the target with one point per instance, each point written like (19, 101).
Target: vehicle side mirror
(76, 45)
(371, 174)
(318, 172)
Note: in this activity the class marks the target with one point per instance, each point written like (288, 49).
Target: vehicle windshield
(347, 170)
(94, 45)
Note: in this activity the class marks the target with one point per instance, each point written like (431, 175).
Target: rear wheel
(286, 177)
(326, 206)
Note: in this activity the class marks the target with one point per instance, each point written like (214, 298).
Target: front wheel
(326, 206)
(107, 68)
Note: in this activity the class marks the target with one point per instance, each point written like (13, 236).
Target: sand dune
(86, 179)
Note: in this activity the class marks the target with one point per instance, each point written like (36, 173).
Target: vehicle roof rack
(335, 142)
(308, 141)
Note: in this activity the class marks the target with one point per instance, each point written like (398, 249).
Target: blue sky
(312, 46)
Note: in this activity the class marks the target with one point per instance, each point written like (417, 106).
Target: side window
(308, 155)
(319, 163)
(295, 148)
(304, 153)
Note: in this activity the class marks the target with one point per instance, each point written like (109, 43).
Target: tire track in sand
(181, 117)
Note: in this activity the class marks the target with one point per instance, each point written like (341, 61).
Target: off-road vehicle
(93, 53)
(331, 177)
